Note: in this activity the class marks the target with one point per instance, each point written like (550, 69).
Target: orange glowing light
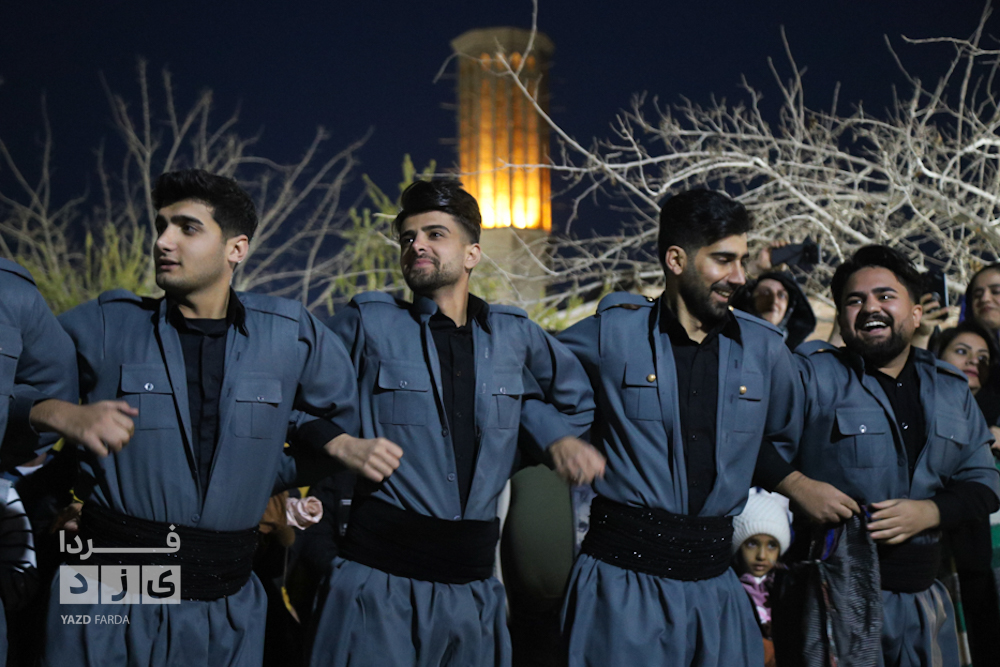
(498, 127)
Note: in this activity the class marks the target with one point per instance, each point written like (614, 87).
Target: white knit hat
(765, 514)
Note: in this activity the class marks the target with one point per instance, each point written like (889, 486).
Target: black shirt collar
(236, 314)
(476, 308)
(907, 373)
(670, 325)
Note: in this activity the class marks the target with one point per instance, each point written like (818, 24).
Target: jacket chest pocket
(953, 434)
(751, 410)
(403, 394)
(867, 440)
(640, 392)
(256, 411)
(508, 387)
(10, 351)
(147, 388)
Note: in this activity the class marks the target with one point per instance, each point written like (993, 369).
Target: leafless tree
(80, 247)
(923, 177)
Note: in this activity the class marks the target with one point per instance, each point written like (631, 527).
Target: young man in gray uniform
(445, 384)
(37, 374)
(221, 381)
(39, 398)
(686, 390)
(37, 362)
(892, 426)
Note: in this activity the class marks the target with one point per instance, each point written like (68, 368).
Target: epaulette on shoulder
(948, 369)
(743, 315)
(508, 310)
(275, 305)
(16, 269)
(118, 295)
(812, 347)
(625, 300)
(376, 297)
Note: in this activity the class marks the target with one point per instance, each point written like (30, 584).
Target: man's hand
(68, 519)
(375, 458)
(762, 262)
(934, 315)
(576, 461)
(822, 502)
(898, 520)
(102, 427)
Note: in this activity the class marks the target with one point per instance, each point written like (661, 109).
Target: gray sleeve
(976, 462)
(328, 388)
(786, 402)
(46, 368)
(558, 400)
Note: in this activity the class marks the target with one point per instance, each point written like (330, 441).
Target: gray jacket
(524, 377)
(284, 371)
(37, 361)
(852, 440)
(637, 424)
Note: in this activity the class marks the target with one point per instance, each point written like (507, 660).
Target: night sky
(291, 66)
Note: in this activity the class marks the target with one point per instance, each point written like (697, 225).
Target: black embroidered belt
(657, 542)
(908, 567)
(213, 563)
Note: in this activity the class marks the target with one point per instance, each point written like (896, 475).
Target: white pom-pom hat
(765, 514)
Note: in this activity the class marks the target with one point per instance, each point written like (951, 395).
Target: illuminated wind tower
(498, 126)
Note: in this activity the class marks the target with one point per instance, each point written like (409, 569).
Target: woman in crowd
(973, 350)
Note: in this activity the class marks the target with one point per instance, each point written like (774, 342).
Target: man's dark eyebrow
(179, 219)
(875, 290)
(428, 228)
(722, 254)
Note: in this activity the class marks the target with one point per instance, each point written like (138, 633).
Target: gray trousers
(918, 629)
(615, 616)
(367, 618)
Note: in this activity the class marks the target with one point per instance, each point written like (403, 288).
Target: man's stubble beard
(424, 282)
(698, 299)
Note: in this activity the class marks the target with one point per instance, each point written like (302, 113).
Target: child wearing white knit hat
(760, 535)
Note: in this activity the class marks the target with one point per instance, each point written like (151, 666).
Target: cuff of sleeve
(21, 440)
(554, 435)
(771, 467)
(950, 508)
(317, 433)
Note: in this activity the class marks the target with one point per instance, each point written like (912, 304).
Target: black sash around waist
(908, 567)
(417, 546)
(213, 563)
(658, 542)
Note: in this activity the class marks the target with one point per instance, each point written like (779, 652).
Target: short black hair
(231, 206)
(878, 256)
(441, 195)
(945, 338)
(698, 218)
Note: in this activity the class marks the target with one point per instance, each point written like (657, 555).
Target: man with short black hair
(687, 390)
(221, 381)
(889, 424)
(446, 382)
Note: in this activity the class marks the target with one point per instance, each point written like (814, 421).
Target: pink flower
(303, 512)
